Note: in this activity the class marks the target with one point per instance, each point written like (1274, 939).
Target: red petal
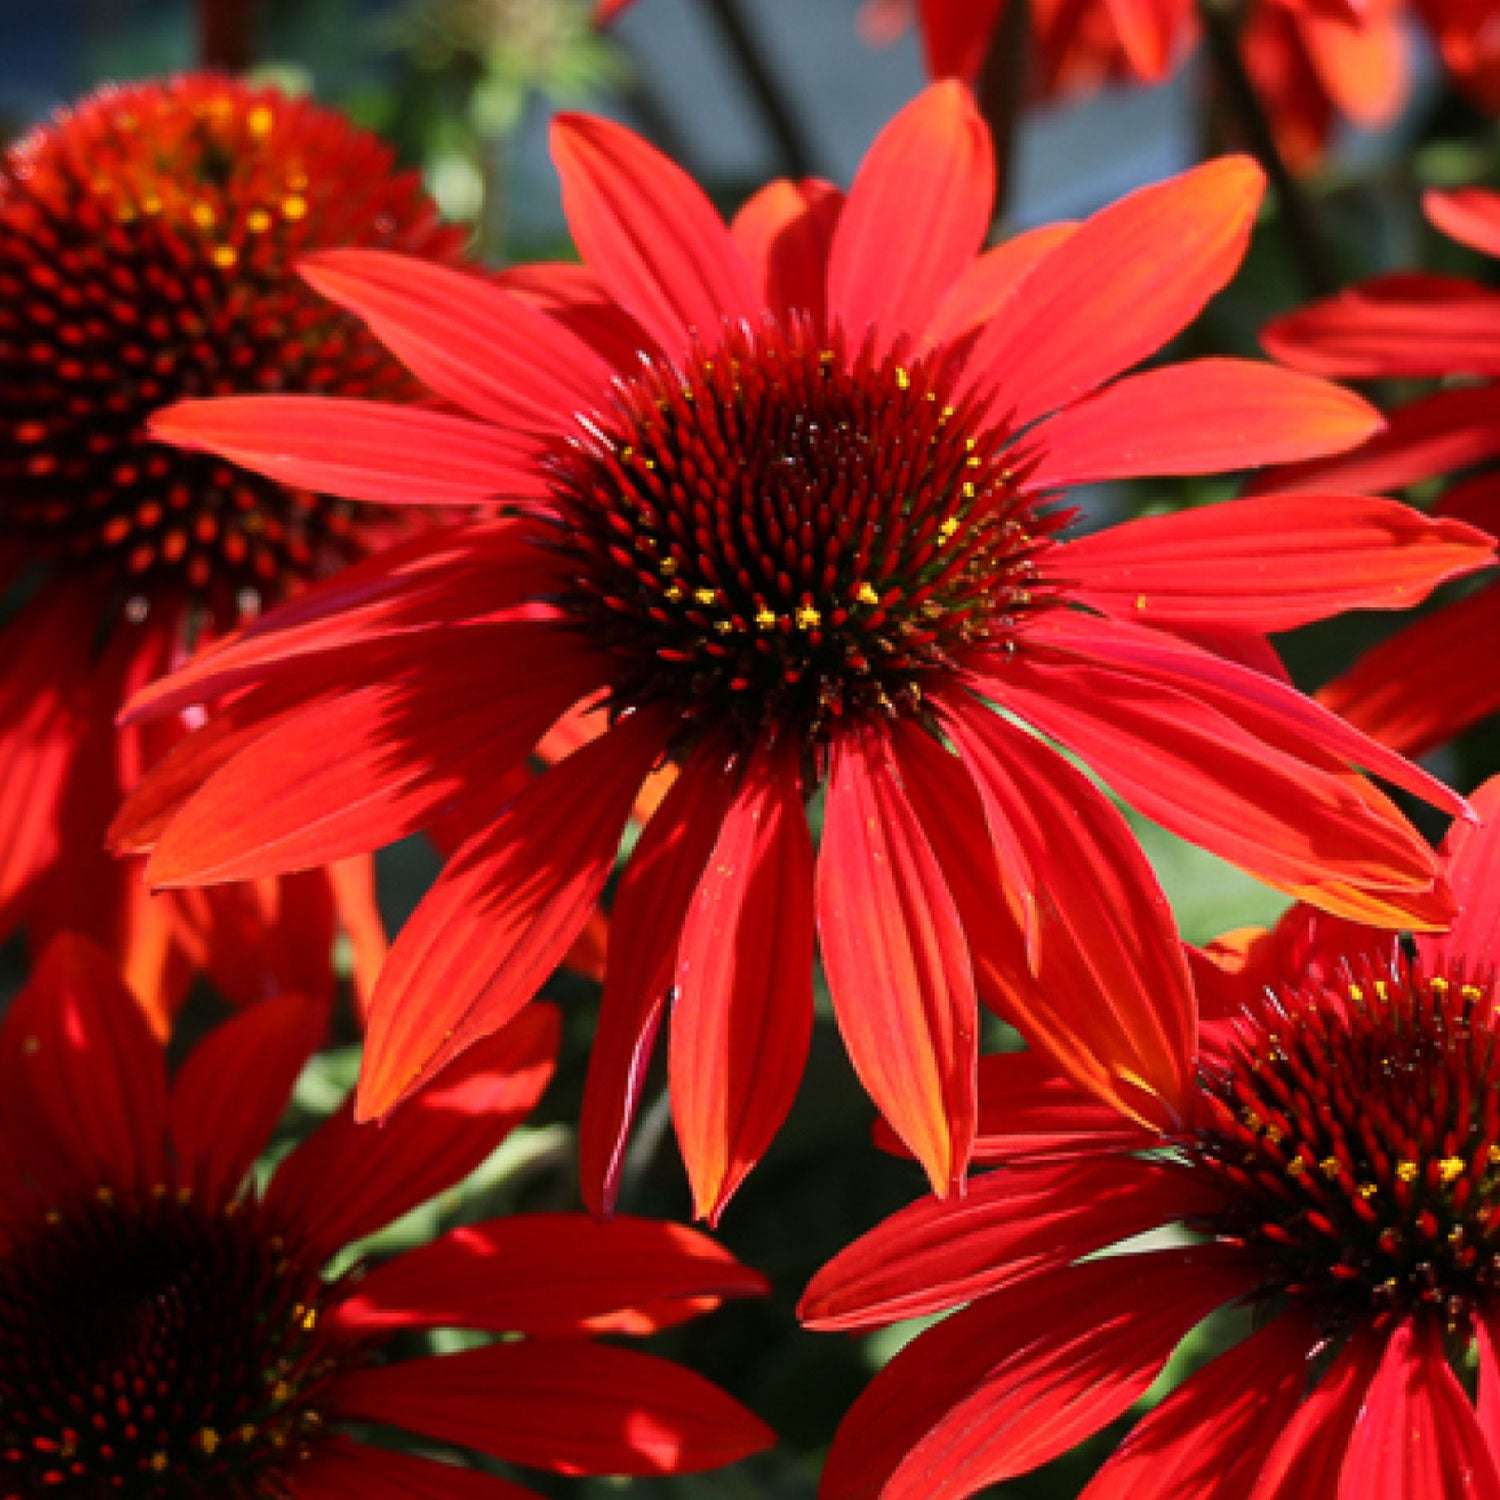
(1421, 687)
(785, 231)
(347, 1180)
(1108, 996)
(78, 1064)
(743, 1011)
(1408, 325)
(988, 285)
(577, 299)
(234, 1088)
(502, 914)
(645, 228)
(1271, 563)
(1133, 275)
(1416, 1433)
(1148, 35)
(1009, 1224)
(1470, 857)
(955, 37)
(650, 908)
(362, 450)
(573, 1407)
(896, 958)
(915, 219)
(1199, 417)
(467, 338)
(1209, 1438)
(550, 1275)
(339, 1469)
(1469, 215)
(1022, 1375)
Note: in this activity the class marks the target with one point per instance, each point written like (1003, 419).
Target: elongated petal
(502, 914)
(956, 37)
(896, 959)
(362, 450)
(347, 1180)
(785, 231)
(1022, 1375)
(1470, 857)
(1406, 325)
(1469, 215)
(1199, 417)
(467, 338)
(522, 1402)
(645, 228)
(235, 1086)
(550, 1275)
(743, 1012)
(1438, 434)
(1148, 36)
(991, 283)
(1208, 1439)
(1108, 996)
(1271, 563)
(916, 216)
(938, 1253)
(1029, 1108)
(1133, 275)
(343, 1470)
(649, 911)
(1420, 687)
(1416, 1433)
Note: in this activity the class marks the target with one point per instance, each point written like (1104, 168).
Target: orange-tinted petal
(1469, 215)
(785, 231)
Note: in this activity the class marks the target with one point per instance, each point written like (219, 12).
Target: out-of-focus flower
(1336, 1173)
(785, 514)
(1467, 33)
(147, 238)
(1436, 677)
(171, 1330)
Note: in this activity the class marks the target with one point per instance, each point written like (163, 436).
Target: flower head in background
(1338, 1175)
(171, 1330)
(147, 239)
(785, 512)
(1436, 677)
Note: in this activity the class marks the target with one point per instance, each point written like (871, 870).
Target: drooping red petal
(1132, 276)
(937, 1253)
(987, 285)
(339, 1469)
(785, 231)
(896, 958)
(1420, 687)
(742, 1015)
(1416, 1433)
(78, 1062)
(650, 908)
(1469, 215)
(955, 37)
(1199, 417)
(551, 1276)
(1107, 996)
(1148, 35)
(647, 230)
(467, 338)
(571, 1406)
(1470, 856)
(1411, 324)
(1208, 1439)
(362, 450)
(502, 914)
(234, 1087)
(1022, 1374)
(347, 1180)
(1270, 563)
(916, 216)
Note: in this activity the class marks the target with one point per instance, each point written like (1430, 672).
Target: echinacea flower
(171, 1331)
(783, 511)
(147, 238)
(1428, 682)
(1335, 1175)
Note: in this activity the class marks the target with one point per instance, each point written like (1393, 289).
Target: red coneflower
(171, 1331)
(1338, 1167)
(1427, 683)
(784, 515)
(146, 244)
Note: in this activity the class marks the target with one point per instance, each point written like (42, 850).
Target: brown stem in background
(1001, 90)
(793, 148)
(224, 34)
(1298, 221)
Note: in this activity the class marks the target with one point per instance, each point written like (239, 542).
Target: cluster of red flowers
(748, 546)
